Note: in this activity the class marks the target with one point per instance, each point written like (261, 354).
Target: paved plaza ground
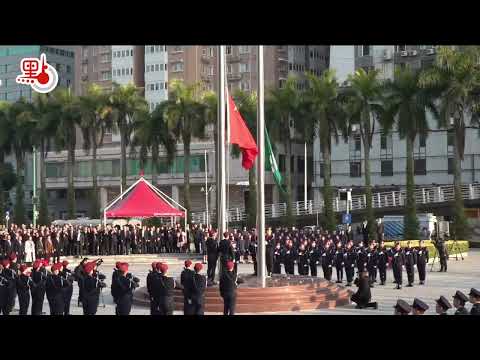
(461, 275)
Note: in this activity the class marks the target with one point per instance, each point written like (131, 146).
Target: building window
(123, 72)
(157, 86)
(300, 165)
(244, 68)
(178, 67)
(245, 85)
(131, 71)
(229, 68)
(355, 169)
(123, 53)
(210, 70)
(292, 164)
(365, 50)
(228, 50)
(399, 48)
(281, 163)
(210, 51)
(420, 166)
(386, 168)
(157, 67)
(244, 49)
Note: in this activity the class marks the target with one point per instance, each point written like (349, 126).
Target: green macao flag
(271, 163)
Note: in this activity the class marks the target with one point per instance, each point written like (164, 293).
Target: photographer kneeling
(363, 295)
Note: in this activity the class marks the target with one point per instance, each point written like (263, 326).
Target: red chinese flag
(241, 136)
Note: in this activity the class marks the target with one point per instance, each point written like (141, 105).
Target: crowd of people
(52, 242)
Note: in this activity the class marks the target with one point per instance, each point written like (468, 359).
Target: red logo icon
(37, 73)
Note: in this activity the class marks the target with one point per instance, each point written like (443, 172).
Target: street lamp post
(34, 198)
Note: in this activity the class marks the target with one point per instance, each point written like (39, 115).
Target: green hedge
(462, 246)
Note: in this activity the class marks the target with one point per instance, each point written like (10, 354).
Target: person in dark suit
(349, 260)
(225, 251)
(382, 262)
(125, 284)
(67, 276)
(475, 300)
(269, 250)
(228, 289)
(37, 290)
(24, 283)
(459, 301)
(380, 231)
(163, 290)
(186, 281)
(277, 259)
(212, 256)
(365, 234)
(422, 261)
(398, 262)
(363, 295)
(198, 287)
(442, 305)
(410, 262)
(54, 287)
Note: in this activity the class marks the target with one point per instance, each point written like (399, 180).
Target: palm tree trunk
(327, 189)
(410, 218)
(19, 211)
(43, 211)
(460, 221)
(154, 165)
(368, 188)
(186, 176)
(71, 190)
(290, 220)
(95, 207)
(123, 150)
(252, 198)
(2, 198)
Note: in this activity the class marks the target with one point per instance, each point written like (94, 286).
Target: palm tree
(186, 118)
(21, 125)
(151, 134)
(325, 118)
(67, 116)
(5, 149)
(126, 102)
(281, 107)
(96, 119)
(247, 106)
(456, 77)
(363, 101)
(45, 131)
(408, 104)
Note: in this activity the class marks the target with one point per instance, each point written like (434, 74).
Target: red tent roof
(142, 201)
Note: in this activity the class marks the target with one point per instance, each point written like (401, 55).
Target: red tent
(142, 202)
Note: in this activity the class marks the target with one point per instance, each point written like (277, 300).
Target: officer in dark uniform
(361, 258)
(410, 262)
(37, 290)
(151, 274)
(79, 274)
(302, 261)
(349, 259)
(382, 262)
(54, 288)
(163, 290)
(225, 251)
(289, 257)
(372, 263)
(269, 250)
(228, 289)
(402, 308)
(252, 249)
(4, 284)
(422, 261)
(442, 254)
(419, 307)
(459, 301)
(327, 261)
(11, 273)
(277, 259)
(92, 283)
(24, 283)
(475, 300)
(442, 305)
(125, 283)
(68, 290)
(339, 262)
(113, 286)
(398, 261)
(313, 258)
(186, 280)
(212, 256)
(199, 284)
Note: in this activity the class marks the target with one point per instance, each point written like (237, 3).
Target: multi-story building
(433, 154)
(192, 64)
(60, 57)
(93, 65)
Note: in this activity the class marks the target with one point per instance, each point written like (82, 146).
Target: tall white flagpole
(306, 182)
(261, 258)
(221, 171)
